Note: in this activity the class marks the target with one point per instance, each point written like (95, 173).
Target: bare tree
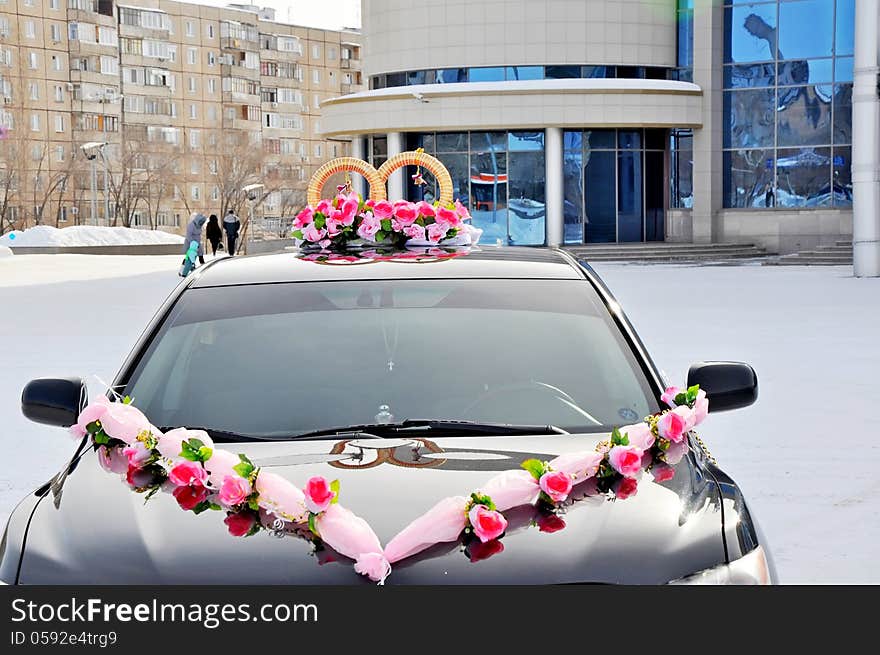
(130, 178)
(13, 156)
(45, 181)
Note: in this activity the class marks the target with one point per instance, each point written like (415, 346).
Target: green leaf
(253, 504)
(618, 439)
(245, 467)
(692, 393)
(380, 235)
(313, 526)
(386, 224)
(201, 507)
(195, 450)
(680, 399)
(297, 234)
(334, 487)
(320, 222)
(214, 506)
(100, 437)
(126, 400)
(482, 499)
(535, 467)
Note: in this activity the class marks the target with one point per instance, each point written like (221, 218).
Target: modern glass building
(602, 121)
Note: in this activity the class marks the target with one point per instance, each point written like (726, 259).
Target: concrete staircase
(840, 254)
(670, 253)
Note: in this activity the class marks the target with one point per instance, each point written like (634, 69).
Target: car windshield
(277, 360)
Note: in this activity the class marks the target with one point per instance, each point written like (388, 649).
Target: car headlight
(750, 569)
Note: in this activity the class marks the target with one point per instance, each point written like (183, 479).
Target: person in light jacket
(232, 225)
(194, 233)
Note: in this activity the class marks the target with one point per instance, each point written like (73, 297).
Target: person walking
(232, 225)
(214, 234)
(194, 233)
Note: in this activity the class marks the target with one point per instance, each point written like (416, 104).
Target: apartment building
(192, 102)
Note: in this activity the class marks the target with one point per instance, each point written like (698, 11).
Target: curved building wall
(436, 34)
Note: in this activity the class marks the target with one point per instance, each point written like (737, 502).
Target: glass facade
(788, 103)
(614, 185)
(684, 40)
(499, 176)
(513, 73)
(681, 169)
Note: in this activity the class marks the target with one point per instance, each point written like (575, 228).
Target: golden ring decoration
(377, 179)
(338, 165)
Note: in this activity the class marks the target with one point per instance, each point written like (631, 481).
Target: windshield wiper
(221, 436)
(377, 430)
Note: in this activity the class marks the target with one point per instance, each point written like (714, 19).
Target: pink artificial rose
(461, 210)
(189, 497)
(170, 444)
(662, 472)
(672, 426)
(186, 473)
(240, 524)
(318, 494)
(437, 231)
(701, 407)
(639, 435)
(626, 460)
(369, 226)
(370, 203)
(137, 454)
(138, 478)
(405, 212)
(234, 490)
(669, 395)
(112, 460)
(676, 451)
(426, 209)
(313, 234)
(374, 566)
(303, 218)
(625, 488)
(383, 209)
(324, 207)
(349, 210)
(486, 523)
(415, 231)
(556, 484)
(448, 216)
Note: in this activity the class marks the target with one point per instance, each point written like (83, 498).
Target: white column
(358, 151)
(395, 181)
(866, 141)
(553, 175)
(708, 182)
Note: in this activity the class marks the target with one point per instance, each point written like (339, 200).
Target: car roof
(491, 262)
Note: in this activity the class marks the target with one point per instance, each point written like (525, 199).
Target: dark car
(408, 381)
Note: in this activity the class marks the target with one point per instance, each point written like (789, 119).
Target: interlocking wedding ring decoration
(201, 477)
(350, 221)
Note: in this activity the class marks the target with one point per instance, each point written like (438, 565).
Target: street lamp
(252, 192)
(91, 150)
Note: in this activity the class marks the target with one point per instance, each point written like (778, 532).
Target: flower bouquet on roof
(348, 221)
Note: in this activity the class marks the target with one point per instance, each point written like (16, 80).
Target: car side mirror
(54, 401)
(729, 385)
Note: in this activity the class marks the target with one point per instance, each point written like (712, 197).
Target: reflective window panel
(803, 116)
(748, 182)
(806, 29)
(750, 33)
(803, 177)
(841, 171)
(750, 118)
(844, 40)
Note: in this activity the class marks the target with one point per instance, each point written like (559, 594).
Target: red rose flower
(189, 497)
(239, 524)
(626, 487)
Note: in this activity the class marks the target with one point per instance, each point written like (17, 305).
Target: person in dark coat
(194, 233)
(232, 225)
(214, 233)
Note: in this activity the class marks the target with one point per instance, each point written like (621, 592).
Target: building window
(59, 123)
(59, 154)
(192, 111)
(318, 150)
(34, 88)
(55, 32)
(316, 51)
(194, 166)
(210, 30)
(194, 138)
(685, 39)
(29, 30)
(190, 28)
(196, 192)
(53, 5)
(192, 55)
(33, 60)
(788, 104)
(59, 93)
(212, 58)
(681, 169)
(316, 76)
(215, 193)
(191, 81)
(331, 53)
(35, 122)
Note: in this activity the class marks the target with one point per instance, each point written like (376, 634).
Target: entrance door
(600, 203)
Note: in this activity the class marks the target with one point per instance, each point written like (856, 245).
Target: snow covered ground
(807, 454)
(86, 235)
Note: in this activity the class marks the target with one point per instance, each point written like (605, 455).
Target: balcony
(232, 43)
(232, 70)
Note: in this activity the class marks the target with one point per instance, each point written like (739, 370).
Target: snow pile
(87, 235)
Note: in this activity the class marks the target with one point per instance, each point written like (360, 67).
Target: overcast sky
(330, 14)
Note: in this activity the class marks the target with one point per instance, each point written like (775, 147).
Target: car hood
(95, 530)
